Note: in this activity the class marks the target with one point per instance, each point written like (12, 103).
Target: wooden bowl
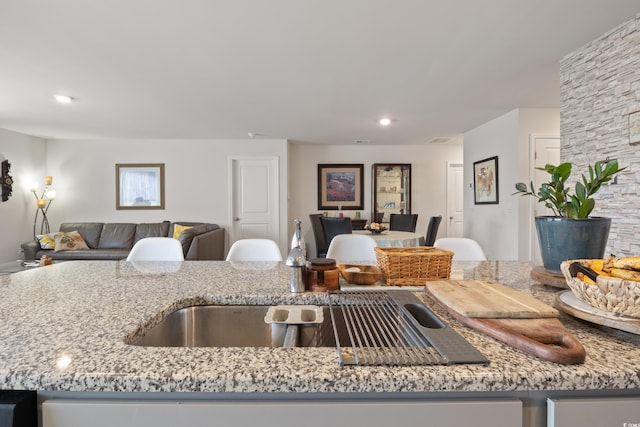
(367, 274)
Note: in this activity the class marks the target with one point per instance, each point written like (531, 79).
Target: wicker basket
(413, 265)
(608, 293)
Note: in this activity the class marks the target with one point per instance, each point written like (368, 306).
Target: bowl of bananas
(611, 284)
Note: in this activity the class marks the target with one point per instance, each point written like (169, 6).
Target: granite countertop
(63, 328)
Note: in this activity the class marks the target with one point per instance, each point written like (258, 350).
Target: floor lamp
(43, 202)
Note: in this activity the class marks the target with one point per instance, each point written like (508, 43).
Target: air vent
(439, 140)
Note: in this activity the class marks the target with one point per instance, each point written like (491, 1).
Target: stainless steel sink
(371, 328)
(234, 326)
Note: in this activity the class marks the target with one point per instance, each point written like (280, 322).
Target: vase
(564, 239)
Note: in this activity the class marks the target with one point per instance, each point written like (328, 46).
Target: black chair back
(432, 230)
(334, 226)
(403, 222)
(318, 233)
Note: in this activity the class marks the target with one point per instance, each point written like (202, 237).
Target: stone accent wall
(600, 86)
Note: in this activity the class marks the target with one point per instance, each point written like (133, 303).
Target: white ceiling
(313, 71)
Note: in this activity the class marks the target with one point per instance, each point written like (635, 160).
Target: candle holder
(43, 201)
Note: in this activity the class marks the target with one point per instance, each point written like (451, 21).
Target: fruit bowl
(607, 293)
(375, 228)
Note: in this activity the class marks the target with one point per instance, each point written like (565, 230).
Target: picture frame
(139, 186)
(485, 181)
(634, 128)
(340, 186)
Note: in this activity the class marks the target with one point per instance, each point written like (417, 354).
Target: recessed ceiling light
(63, 99)
(385, 121)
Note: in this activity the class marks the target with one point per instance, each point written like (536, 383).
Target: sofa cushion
(190, 224)
(91, 254)
(117, 236)
(46, 241)
(178, 229)
(155, 229)
(90, 231)
(71, 241)
(187, 235)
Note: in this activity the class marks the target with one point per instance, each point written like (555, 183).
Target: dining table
(393, 238)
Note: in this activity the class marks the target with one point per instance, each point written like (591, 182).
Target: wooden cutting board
(517, 319)
(474, 298)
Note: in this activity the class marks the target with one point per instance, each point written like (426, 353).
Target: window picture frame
(140, 186)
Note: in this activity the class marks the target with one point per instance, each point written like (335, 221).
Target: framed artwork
(485, 181)
(634, 128)
(340, 186)
(140, 186)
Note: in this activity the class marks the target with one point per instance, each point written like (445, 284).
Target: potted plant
(570, 233)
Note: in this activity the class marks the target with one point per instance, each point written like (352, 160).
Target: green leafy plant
(555, 193)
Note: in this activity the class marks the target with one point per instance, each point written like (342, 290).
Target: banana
(596, 264)
(608, 263)
(627, 263)
(622, 273)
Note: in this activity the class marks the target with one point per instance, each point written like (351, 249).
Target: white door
(546, 151)
(254, 198)
(455, 199)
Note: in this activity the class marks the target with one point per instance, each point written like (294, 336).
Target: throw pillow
(71, 241)
(178, 229)
(47, 241)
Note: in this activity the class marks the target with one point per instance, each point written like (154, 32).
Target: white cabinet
(593, 412)
(140, 413)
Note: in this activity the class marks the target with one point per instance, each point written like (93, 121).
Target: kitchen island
(64, 328)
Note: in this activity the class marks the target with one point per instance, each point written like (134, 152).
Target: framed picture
(485, 181)
(340, 186)
(140, 186)
(634, 128)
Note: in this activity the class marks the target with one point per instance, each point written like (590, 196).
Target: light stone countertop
(63, 328)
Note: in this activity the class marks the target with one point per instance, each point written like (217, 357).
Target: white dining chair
(156, 249)
(463, 249)
(254, 250)
(352, 248)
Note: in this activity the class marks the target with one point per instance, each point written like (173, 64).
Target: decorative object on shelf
(6, 180)
(634, 128)
(43, 201)
(140, 186)
(485, 181)
(340, 186)
(375, 228)
(571, 233)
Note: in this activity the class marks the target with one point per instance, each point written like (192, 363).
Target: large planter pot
(565, 238)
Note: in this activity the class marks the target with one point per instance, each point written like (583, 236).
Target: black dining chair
(318, 232)
(334, 226)
(403, 222)
(432, 230)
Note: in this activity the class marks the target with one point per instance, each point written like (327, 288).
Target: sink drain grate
(394, 328)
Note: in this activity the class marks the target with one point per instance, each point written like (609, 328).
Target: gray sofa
(113, 241)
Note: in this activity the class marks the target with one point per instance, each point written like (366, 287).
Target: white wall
(502, 229)
(26, 154)
(428, 168)
(196, 178)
